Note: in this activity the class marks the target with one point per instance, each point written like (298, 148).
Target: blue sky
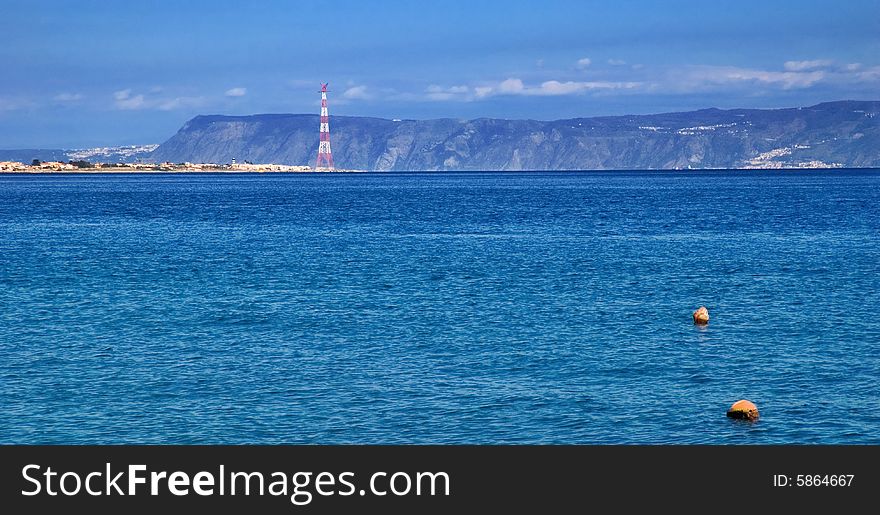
(89, 73)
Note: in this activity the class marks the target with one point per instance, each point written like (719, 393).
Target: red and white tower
(324, 153)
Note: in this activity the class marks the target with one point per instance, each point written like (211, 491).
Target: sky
(101, 73)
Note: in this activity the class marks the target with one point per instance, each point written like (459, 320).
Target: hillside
(126, 154)
(845, 133)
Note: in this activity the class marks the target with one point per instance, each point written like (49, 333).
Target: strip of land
(86, 167)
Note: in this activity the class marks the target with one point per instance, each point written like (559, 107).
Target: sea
(440, 308)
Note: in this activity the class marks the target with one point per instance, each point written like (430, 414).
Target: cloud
(870, 74)
(236, 92)
(583, 63)
(435, 92)
(800, 66)
(67, 97)
(511, 87)
(483, 91)
(793, 75)
(180, 103)
(636, 79)
(357, 93)
(123, 100)
(514, 86)
(12, 104)
(698, 77)
(616, 62)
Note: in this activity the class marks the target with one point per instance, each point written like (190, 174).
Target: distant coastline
(54, 167)
(828, 135)
(66, 169)
(840, 134)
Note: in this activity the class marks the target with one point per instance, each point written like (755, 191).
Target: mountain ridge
(842, 133)
(829, 134)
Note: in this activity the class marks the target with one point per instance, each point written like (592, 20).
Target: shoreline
(97, 171)
(167, 170)
(86, 167)
(159, 171)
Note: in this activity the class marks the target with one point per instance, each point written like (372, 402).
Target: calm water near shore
(440, 308)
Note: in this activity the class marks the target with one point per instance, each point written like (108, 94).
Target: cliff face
(845, 133)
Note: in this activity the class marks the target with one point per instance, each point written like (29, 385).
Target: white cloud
(514, 86)
(792, 76)
(636, 79)
(180, 103)
(67, 97)
(11, 104)
(800, 66)
(122, 94)
(236, 92)
(870, 74)
(357, 93)
(124, 100)
(127, 101)
(133, 103)
(554, 87)
(616, 62)
(433, 88)
(511, 87)
(483, 91)
(583, 63)
(435, 92)
(732, 74)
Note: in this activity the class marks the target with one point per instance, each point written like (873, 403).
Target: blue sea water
(440, 308)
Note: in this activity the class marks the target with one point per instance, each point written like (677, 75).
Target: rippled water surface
(436, 308)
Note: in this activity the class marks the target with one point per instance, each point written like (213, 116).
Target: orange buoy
(743, 410)
(701, 316)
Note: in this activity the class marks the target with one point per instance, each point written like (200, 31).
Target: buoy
(743, 410)
(701, 316)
